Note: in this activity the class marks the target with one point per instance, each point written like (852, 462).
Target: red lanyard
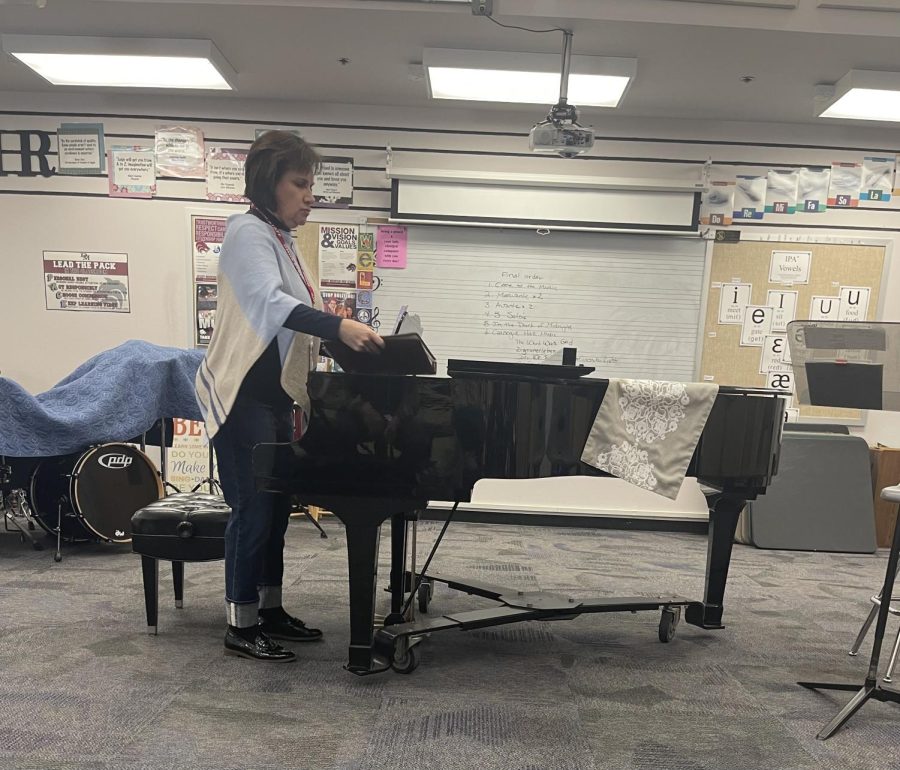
(292, 258)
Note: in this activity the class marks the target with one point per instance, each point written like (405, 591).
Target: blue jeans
(254, 537)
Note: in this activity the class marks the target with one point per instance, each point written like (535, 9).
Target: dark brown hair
(271, 156)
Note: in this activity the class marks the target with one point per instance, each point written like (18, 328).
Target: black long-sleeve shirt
(263, 381)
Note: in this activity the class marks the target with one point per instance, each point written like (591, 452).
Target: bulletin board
(815, 277)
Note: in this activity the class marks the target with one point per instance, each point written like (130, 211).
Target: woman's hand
(358, 336)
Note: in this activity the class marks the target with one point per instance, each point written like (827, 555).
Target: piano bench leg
(150, 572)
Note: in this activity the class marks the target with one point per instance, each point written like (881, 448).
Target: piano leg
(362, 519)
(362, 561)
(399, 588)
(723, 518)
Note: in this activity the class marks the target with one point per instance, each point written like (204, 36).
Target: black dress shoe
(256, 646)
(288, 628)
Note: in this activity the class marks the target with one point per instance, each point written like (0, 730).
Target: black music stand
(853, 364)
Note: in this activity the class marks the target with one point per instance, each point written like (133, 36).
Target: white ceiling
(691, 55)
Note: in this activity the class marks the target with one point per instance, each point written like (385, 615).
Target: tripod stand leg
(870, 687)
(316, 524)
(57, 557)
(845, 713)
(210, 481)
(867, 624)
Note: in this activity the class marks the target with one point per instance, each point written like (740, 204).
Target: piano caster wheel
(425, 594)
(668, 622)
(407, 661)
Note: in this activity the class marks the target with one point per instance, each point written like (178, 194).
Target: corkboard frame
(835, 262)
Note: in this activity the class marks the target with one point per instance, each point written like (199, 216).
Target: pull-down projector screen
(493, 203)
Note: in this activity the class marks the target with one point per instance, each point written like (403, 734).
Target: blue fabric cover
(114, 396)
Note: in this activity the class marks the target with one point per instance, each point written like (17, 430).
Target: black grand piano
(382, 446)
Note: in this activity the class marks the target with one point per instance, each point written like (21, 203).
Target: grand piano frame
(737, 456)
(374, 650)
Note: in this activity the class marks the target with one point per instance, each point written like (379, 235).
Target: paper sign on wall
(188, 459)
(334, 183)
(812, 190)
(854, 303)
(757, 324)
(772, 357)
(80, 148)
(733, 298)
(749, 197)
(338, 248)
(132, 172)
(877, 180)
(784, 303)
(207, 234)
(780, 381)
(340, 303)
(180, 152)
(717, 204)
(225, 174)
(843, 189)
(824, 308)
(781, 191)
(78, 280)
(790, 266)
(392, 246)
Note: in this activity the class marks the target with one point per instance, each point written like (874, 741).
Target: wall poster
(334, 183)
(86, 281)
(207, 234)
(188, 459)
(80, 148)
(338, 246)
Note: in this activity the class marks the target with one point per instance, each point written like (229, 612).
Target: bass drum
(97, 492)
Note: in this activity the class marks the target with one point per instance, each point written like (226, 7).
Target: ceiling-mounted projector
(560, 133)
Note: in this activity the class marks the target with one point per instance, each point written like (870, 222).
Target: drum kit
(86, 496)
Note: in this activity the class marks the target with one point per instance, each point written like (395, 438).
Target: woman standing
(265, 343)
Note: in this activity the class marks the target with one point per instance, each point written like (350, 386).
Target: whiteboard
(630, 304)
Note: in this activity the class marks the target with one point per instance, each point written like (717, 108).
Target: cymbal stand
(57, 557)
(163, 459)
(213, 483)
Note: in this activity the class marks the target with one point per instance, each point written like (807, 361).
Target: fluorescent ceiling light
(864, 95)
(123, 62)
(502, 76)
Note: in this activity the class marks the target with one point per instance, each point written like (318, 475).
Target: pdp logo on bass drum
(114, 461)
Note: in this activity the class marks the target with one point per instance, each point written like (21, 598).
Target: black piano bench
(188, 526)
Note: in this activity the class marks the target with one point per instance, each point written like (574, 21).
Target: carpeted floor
(82, 686)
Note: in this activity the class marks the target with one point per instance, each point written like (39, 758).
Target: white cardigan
(258, 287)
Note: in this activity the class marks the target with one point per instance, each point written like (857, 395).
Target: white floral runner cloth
(645, 431)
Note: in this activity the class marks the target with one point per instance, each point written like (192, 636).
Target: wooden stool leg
(150, 570)
(178, 581)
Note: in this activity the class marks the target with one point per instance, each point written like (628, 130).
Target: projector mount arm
(562, 112)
